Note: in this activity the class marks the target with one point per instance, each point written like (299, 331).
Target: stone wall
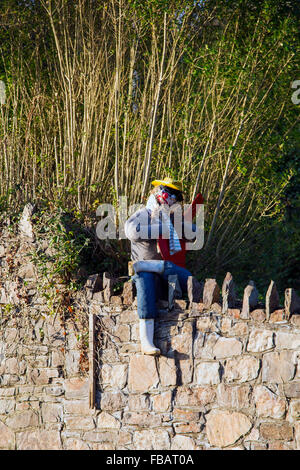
(228, 376)
(220, 382)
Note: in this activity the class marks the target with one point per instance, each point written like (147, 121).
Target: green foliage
(65, 243)
(222, 60)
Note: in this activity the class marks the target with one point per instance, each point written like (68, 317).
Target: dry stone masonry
(228, 376)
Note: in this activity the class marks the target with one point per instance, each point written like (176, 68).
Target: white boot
(146, 337)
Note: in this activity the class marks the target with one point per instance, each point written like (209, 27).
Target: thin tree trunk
(202, 161)
(154, 112)
(221, 195)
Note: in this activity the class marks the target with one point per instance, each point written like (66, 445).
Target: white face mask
(164, 197)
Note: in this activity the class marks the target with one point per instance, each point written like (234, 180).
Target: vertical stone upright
(250, 300)
(194, 290)
(174, 290)
(25, 223)
(272, 299)
(228, 293)
(128, 293)
(291, 302)
(108, 284)
(211, 292)
(93, 284)
(130, 268)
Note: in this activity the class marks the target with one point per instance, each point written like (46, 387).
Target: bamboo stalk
(221, 195)
(154, 111)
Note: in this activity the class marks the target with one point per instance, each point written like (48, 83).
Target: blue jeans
(146, 289)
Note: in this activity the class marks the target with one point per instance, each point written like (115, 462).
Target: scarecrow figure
(157, 250)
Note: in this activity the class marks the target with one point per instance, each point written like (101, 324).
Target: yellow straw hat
(168, 182)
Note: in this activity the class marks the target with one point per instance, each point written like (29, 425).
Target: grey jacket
(139, 228)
